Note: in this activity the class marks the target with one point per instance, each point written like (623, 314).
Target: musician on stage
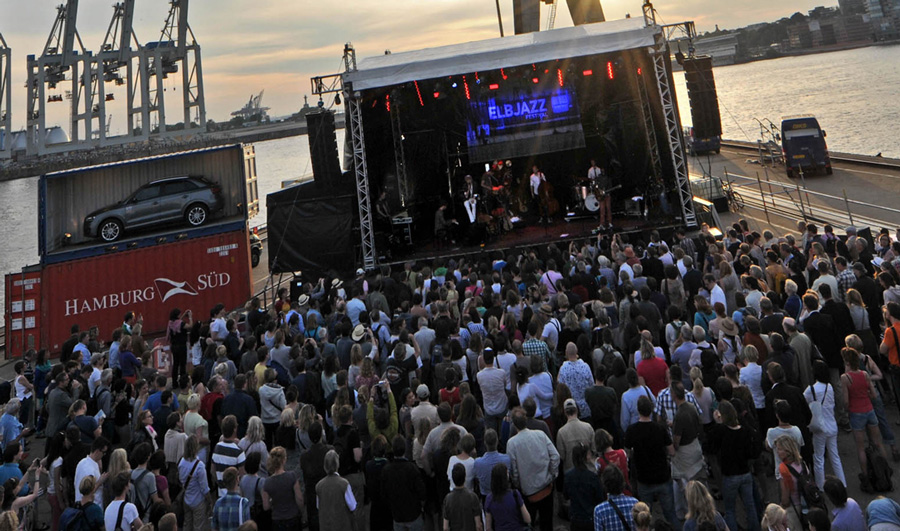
(537, 178)
(444, 227)
(468, 191)
(600, 183)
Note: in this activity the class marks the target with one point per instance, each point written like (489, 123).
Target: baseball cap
(570, 404)
(422, 391)
(360, 271)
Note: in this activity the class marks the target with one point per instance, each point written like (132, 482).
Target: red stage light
(535, 80)
(609, 70)
(437, 95)
(640, 73)
(588, 73)
(559, 76)
(466, 86)
(503, 74)
(419, 93)
(476, 76)
(493, 86)
(387, 102)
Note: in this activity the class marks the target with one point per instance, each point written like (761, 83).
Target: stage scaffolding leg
(399, 154)
(660, 55)
(649, 128)
(366, 229)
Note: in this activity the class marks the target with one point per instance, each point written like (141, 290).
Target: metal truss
(660, 55)
(399, 153)
(5, 99)
(366, 228)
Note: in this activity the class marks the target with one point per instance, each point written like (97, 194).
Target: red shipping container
(23, 311)
(193, 274)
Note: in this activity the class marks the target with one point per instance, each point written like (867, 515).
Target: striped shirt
(226, 454)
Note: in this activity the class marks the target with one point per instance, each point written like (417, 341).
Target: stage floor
(527, 235)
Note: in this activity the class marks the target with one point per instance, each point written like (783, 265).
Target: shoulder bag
(178, 503)
(817, 422)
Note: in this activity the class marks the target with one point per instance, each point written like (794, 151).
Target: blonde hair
(306, 417)
(76, 407)
(256, 432)
(87, 486)
(700, 504)
(118, 463)
(750, 353)
(696, 375)
(640, 513)
(287, 417)
(356, 355)
(773, 517)
(193, 401)
(9, 521)
(276, 459)
(789, 445)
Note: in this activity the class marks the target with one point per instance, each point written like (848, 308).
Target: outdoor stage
(432, 128)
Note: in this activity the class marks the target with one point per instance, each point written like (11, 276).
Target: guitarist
(600, 183)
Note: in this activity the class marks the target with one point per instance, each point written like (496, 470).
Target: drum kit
(588, 195)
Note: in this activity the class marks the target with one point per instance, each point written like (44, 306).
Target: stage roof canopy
(505, 52)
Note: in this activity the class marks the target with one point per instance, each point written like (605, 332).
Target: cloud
(277, 45)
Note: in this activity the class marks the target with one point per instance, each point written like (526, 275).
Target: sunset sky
(277, 45)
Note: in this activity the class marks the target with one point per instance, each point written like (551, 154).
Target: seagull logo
(169, 288)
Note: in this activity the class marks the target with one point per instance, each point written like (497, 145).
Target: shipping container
(191, 274)
(23, 311)
(66, 198)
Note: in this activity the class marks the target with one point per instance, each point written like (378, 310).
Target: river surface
(855, 94)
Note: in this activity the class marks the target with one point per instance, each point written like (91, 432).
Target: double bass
(549, 204)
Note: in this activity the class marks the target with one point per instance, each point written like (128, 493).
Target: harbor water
(853, 93)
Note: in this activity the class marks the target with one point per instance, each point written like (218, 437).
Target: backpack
(807, 488)
(609, 357)
(93, 403)
(879, 472)
(74, 519)
(710, 366)
(137, 502)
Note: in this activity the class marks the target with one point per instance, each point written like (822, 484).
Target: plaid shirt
(845, 280)
(665, 404)
(536, 347)
(606, 519)
(230, 512)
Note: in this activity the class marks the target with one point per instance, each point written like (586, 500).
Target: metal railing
(797, 200)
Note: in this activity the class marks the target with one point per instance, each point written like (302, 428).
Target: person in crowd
(402, 479)
(701, 509)
(847, 513)
(232, 509)
(858, 392)
(825, 437)
(122, 514)
(534, 464)
(281, 493)
(192, 474)
(614, 514)
(651, 447)
(582, 488)
(462, 508)
(334, 495)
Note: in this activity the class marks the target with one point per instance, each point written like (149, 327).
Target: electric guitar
(599, 193)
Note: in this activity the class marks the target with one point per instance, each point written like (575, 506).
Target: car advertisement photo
(115, 204)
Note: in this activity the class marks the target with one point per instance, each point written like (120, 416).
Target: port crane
(59, 59)
(177, 49)
(5, 99)
(117, 53)
(527, 14)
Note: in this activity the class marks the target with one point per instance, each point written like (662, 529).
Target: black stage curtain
(311, 232)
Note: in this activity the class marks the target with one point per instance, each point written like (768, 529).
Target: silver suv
(189, 199)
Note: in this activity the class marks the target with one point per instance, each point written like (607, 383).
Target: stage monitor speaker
(323, 148)
(701, 85)
(586, 11)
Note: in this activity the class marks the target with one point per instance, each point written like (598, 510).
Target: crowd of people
(607, 385)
